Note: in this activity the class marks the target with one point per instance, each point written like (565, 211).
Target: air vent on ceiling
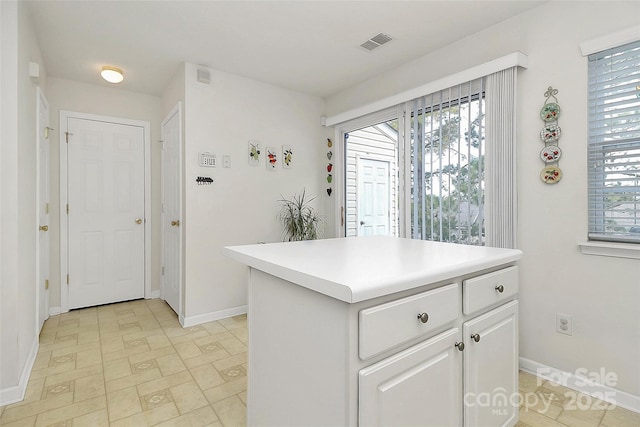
(376, 41)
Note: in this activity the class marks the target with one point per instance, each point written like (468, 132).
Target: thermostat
(207, 160)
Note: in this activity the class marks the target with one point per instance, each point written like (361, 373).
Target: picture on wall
(254, 153)
(272, 158)
(287, 157)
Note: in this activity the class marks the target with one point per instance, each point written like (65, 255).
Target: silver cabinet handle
(476, 337)
(499, 288)
(460, 346)
(424, 317)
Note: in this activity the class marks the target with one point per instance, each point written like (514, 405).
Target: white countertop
(355, 269)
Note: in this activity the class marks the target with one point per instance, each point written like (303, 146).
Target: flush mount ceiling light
(376, 41)
(112, 74)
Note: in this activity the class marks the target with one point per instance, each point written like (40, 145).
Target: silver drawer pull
(476, 337)
(460, 346)
(424, 317)
(499, 288)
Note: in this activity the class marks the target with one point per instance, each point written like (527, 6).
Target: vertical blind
(447, 164)
(614, 144)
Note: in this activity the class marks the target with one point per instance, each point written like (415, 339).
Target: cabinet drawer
(486, 290)
(387, 325)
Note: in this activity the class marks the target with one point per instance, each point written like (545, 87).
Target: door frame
(64, 229)
(39, 249)
(359, 158)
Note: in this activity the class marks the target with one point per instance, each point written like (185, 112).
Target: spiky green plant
(299, 219)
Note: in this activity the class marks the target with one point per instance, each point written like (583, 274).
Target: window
(447, 165)
(614, 144)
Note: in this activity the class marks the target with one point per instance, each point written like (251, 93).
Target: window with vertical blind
(447, 164)
(614, 144)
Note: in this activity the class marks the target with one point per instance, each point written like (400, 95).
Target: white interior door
(42, 251)
(171, 209)
(373, 197)
(106, 212)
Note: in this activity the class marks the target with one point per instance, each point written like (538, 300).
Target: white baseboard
(54, 310)
(210, 317)
(16, 393)
(582, 384)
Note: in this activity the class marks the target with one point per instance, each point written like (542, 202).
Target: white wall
(18, 335)
(73, 96)
(602, 293)
(241, 206)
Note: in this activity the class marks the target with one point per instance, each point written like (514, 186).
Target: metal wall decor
(550, 134)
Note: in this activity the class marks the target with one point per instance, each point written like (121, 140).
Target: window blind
(614, 144)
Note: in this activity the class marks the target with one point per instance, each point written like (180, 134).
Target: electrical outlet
(564, 323)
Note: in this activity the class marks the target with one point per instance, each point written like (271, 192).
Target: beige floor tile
(207, 376)
(109, 345)
(72, 375)
(187, 350)
(243, 397)
(189, 337)
(188, 397)
(127, 352)
(170, 364)
(116, 369)
(42, 360)
(199, 417)
(538, 403)
(214, 327)
(150, 417)
(234, 346)
(88, 358)
(534, 419)
(93, 419)
(581, 418)
(528, 382)
(231, 411)
(53, 370)
(620, 417)
(123, 403)
(225, 390)
(229, 362)
(164, 383)
(24, 422)
(71, 411)
(153, 354)
(206, 357)
(88, 387)
(242, 334)
(133, 380)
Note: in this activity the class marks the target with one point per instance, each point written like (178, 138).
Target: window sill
(618, 250)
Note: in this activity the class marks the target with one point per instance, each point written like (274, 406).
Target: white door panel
(106, 197)
(374, 197)
(171, 212)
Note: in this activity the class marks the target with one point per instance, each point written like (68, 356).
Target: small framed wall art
(254, 153)
(287, 157)
(272, 158)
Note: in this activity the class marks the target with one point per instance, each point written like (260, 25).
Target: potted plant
(299, 219)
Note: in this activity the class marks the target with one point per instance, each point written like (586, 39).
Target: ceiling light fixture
(112, 74)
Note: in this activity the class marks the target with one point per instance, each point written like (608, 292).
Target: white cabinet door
(491, 368)
(420, 386)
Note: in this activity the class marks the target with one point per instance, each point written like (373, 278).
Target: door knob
(460, 346)
(44, 228)
(361, 222)
(138, 221)
(175, 223)
(476, 337)
(500, 288)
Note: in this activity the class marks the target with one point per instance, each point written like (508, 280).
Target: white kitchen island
(381, 331)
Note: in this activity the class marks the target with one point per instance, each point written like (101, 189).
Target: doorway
(105, 210)
(371, 171)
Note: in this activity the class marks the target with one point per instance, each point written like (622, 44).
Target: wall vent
(376, 41)
(204, 76)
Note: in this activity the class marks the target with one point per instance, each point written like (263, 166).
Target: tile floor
(132, 364)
